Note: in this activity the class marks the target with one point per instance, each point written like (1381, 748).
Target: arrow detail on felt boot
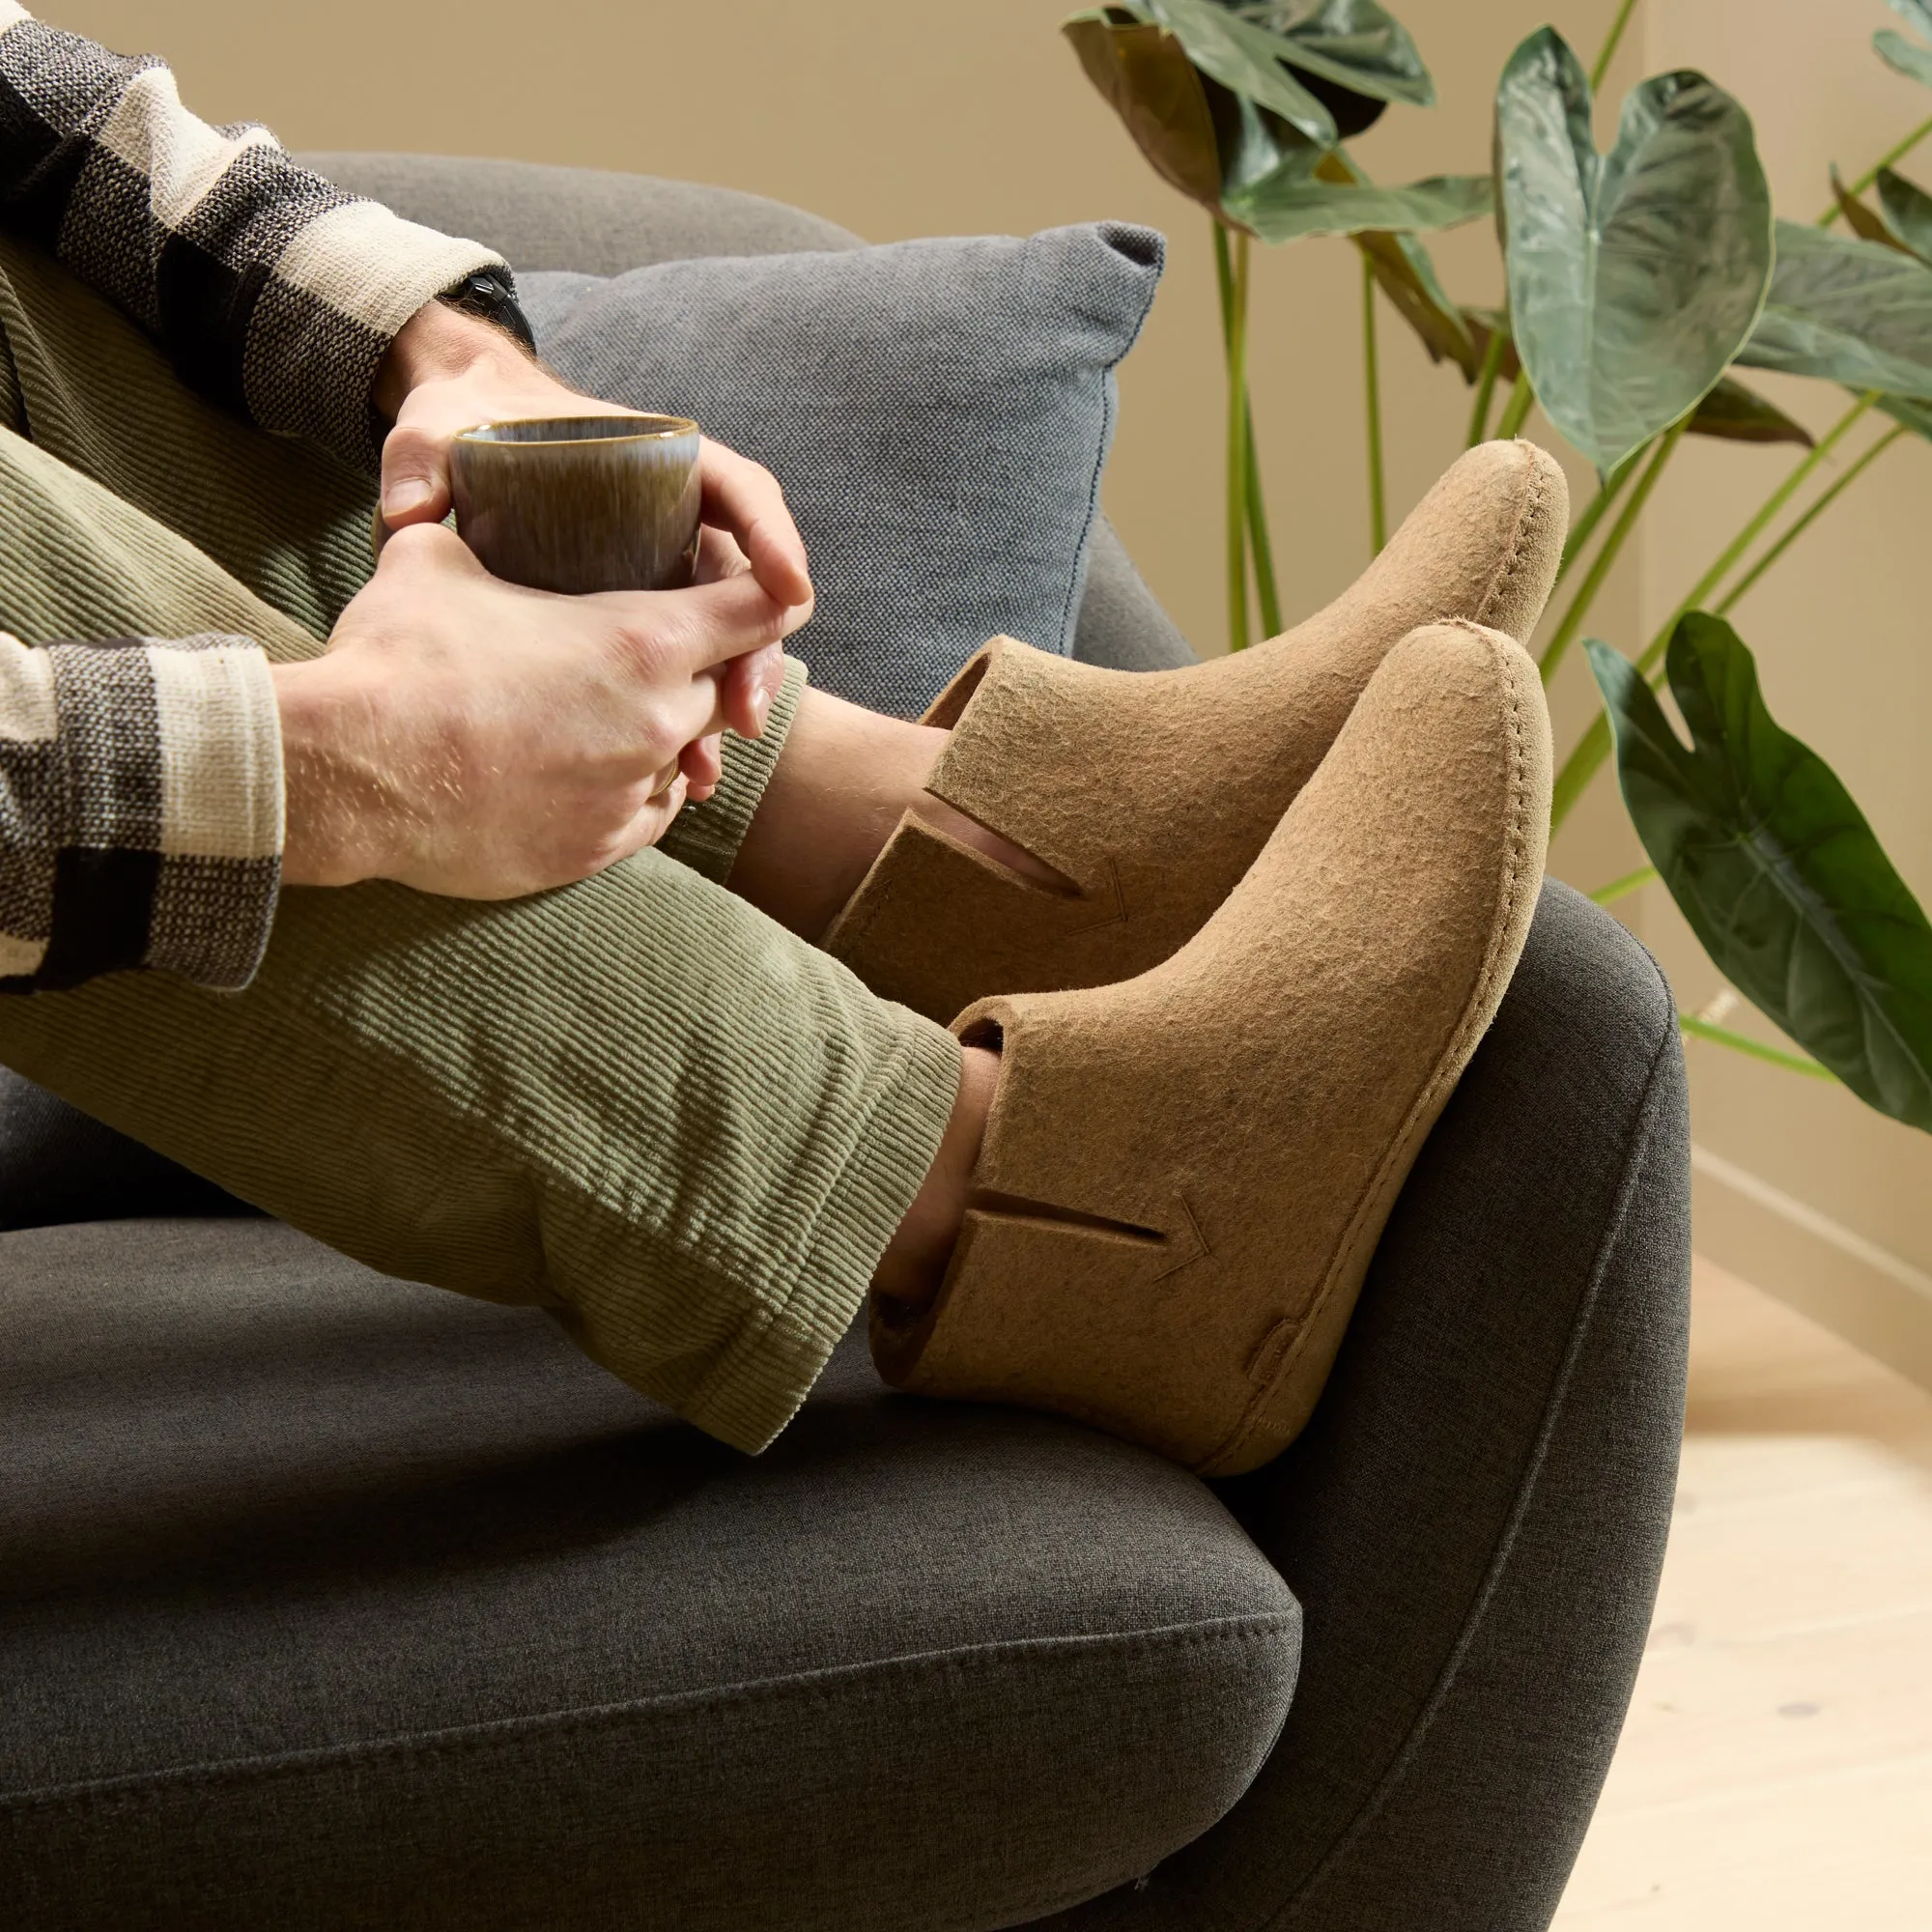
(1257, 1099)
(1150, 793)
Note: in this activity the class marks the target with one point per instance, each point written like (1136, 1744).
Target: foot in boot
(1182, 1178)
(1148, 795)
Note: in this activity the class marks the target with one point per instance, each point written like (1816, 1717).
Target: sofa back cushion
(938, 413)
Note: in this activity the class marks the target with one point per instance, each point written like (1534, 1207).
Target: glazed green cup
(581, 503)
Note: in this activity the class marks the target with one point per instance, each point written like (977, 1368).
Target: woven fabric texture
(937, 411)
(333, 1602)
(595, 222)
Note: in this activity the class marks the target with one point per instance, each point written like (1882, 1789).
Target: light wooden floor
(1776, 1772)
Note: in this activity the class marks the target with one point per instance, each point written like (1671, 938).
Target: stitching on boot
(1526, 522)
(1245, 1427)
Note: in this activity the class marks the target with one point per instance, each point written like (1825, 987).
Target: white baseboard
(1824, 1269)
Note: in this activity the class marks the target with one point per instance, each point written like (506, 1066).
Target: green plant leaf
(1143, 74)
(1482, 324)
(1916, 416)
(1904, 56)
(1406, 274)
(1907, 213)
(1846, 310)
(1899, 53)
(1635, 277)
(1245, 58)
(1775, 868)
(1737, 414)
(1867, 223)
(1284, 209)
(1355, 45)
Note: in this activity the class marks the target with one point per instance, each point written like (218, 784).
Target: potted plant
(1638, 282)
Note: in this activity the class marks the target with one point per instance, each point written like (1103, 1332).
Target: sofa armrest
(1474, 1523)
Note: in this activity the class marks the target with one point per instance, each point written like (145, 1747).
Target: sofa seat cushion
(332, 1601)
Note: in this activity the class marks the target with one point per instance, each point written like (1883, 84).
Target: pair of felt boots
(1296, 883)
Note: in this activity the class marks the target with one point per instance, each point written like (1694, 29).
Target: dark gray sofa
(330, 1601)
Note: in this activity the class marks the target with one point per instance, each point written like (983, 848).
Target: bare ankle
(839, 788)
(912, 1268)
(845, 779)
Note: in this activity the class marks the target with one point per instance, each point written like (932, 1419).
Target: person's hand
(469, 737)
(447, 372)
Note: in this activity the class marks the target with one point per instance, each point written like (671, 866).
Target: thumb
(416, 476)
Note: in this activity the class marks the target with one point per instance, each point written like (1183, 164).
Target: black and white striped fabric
(140, 809)
(141, 779)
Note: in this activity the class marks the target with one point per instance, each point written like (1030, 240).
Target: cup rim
(665, 429)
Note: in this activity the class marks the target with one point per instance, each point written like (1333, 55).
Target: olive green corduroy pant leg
(636, 1102)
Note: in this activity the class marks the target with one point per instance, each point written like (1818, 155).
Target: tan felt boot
(1188, 1172)
(1150, 793)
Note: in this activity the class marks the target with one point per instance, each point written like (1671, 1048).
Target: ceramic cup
(581, 503)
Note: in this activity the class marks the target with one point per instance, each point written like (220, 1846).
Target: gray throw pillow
(938, 413)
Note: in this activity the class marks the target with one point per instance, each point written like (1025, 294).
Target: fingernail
(761, 710)
(410, 494)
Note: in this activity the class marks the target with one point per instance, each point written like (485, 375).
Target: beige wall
(905, 117)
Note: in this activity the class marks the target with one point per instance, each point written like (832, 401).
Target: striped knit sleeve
(140, 809)
(272, 292)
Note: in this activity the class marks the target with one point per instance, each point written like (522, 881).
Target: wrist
(335, 803)
(437, 343)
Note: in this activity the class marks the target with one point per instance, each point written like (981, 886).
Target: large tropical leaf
(1904, 56)
(1907, 213)
(1735, 414)
(1899, 53)
(1775, 868)
(1406, 274)
(1143, 74)
(1248, 59)
(1211, 97)
(1867, 223)
(1916, 416)
(1849, 311)
(1282, 207)
(1634, 277)
(1729, 412)
(1355, 45)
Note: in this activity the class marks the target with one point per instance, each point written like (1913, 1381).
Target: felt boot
(1183, 1177)
(1150, 793)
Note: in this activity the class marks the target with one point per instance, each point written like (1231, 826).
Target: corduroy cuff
(706, 836)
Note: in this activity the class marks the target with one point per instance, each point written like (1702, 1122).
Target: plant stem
(1758, 525)
(1266, 592)
(1516, 412)
(1372, 382)
(1609, 48)
(1594, 747)
(1486, 386)
(1599, 505)
(1607, 557)
(1811, 517)
(1738, 1042)
(1621, 889)
(1871, 174)
(1232, 278)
